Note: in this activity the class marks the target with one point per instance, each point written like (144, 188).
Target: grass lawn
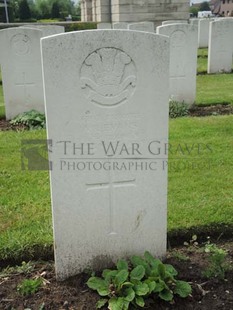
(202, 59)
(199, 195)
(214, 89)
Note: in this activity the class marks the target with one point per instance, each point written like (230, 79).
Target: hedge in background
(80, 26)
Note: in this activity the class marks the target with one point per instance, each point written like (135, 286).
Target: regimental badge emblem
(108, 77)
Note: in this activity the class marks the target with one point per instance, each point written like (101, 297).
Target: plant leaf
(166, 295)
(183, 289)
(141, 289)
(130, 294)
(109, 274)
(160, 286)
(101, 303)
(121, 277)
(170, 269)
(151, 284)
(103, 291)
(122, 265)
(140, 301)
(137, 260)
(154, 262)
(137, 273)
(161, 270)
(116, 303)
(96, 283)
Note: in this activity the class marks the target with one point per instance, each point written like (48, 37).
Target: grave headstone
(143, 26)
(120, 25)
(48, 30)
(104, 26)
(203, 32)
(220, 46)
(107, 115)
(183, 61)
(194, 22)
(178, 21)
(21, 70)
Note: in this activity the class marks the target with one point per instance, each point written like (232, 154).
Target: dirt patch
(219, 109)
(5, 125)
(74, 294)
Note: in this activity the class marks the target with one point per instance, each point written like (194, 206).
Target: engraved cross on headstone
(111, 185)
(25, 86)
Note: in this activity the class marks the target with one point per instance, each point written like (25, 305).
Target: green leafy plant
(31, 119)
(132, 284)
(29, 286)
(177, 109)
(218, 265)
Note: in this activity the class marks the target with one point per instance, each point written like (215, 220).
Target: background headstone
(104, 26)
(47, 30)
(143, 26)
(106, 86)
(178, 21)
(120, 25)
(220, 46)
(203, 32)
(183, 61)
(21, 70)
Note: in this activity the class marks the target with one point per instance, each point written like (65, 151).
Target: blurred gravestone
(21, 70)
(220, 46)
(143, 26)
(183, 61)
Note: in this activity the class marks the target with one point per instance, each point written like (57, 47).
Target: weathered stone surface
(203, 32)
(21, 70)
(47, 30)
(132, 11)
(143, 26)
(102, 87)
(183, 61)
(220, 46)
(120, 25)
(104, 26)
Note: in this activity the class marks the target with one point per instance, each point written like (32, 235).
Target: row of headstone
(23, 89)
(142, 26)
(21, 68)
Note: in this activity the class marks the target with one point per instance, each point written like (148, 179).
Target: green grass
(202, 60)
(214, 89)
(197, 196)
(25, 201)
(200, 194)
(202, 54)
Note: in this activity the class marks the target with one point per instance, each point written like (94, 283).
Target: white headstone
(220, 46)
(48, 30)
(120, 25)
(21, 70)
(178, 21)
(183, 61)
(105, 87)
(143, 26)
(104, 26)
(203, 32)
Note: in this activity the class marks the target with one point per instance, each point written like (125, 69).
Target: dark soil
(5, 125)
(73, 294)
(219, 109)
